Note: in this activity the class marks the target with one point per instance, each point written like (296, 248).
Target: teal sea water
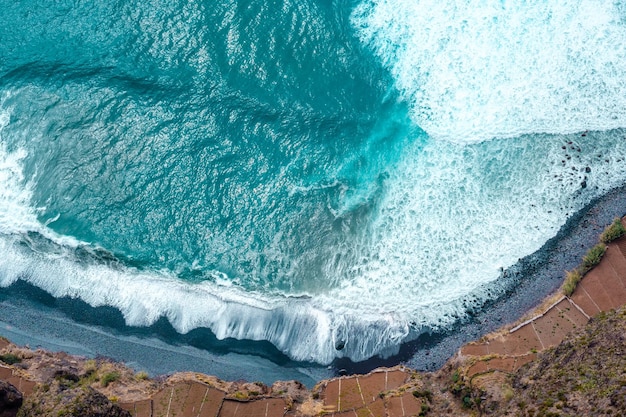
(333, 177)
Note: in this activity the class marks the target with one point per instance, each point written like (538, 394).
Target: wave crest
(299, 327)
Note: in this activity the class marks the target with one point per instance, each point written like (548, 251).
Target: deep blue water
(314, 174)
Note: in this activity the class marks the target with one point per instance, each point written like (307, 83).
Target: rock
(291, 389)
(60, 366)
(71, 400)
(67, 375)
(10, 400)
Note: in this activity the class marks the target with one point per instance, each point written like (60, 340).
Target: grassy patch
(91, 365)
(141, 376)
(591, 259)
(572, 278)
(10, 359)
(109, 377)
(594, 256)
(89, 378)
(613, 231)
(507, 393)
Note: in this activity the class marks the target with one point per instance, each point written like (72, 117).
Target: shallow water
(310, 174)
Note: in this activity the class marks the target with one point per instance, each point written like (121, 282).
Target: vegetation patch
(572, 278)
(10, 358)
(594, 256)
(591, 259)
(428, 395)
(141, 376)
(240, 395)
(463, 391)
(613, 231)
(109, 377)
(585, 375)
(60, 400)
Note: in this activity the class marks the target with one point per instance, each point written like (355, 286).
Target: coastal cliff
(584, 375)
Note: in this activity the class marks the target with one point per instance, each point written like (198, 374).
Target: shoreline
(489, 376)
(530, 281)
(75, 327)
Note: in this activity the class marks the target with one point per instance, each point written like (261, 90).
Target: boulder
(10, 400)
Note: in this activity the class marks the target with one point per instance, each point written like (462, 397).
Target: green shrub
(467, 402)
(109, 377)
(572, 278)
(428, 395)
(10, 359)
(594, 256)
(141, 376)
(240, 395)
(613, 231)
(456, 376)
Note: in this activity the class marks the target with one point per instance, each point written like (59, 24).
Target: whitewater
(333, 178)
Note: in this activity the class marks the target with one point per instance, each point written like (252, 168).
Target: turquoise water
(316, 174)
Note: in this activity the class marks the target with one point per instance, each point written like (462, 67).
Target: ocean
(318, 179)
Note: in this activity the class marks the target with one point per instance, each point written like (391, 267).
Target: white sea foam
(454, 215)
(15, 212)
(477, 70)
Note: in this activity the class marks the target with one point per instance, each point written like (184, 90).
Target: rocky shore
(583, 375)
(567, 357)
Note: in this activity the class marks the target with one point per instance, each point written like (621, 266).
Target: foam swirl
(501, 69)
